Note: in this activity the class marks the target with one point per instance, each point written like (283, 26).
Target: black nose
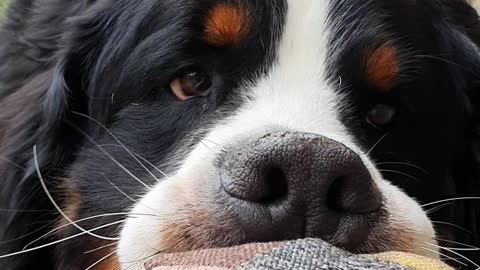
(293, 185)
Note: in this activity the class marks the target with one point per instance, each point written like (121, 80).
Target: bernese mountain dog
(129, 128)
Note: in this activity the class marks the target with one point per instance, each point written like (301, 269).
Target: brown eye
(191, 84)
(381, 115)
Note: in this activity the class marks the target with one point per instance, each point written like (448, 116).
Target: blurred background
(3, 4)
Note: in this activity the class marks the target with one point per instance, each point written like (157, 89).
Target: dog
(129, 128)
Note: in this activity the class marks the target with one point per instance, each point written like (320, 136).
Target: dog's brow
(382, 67)
(227, 25)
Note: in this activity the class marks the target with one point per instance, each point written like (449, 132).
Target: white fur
(295, 96)
(475, 4)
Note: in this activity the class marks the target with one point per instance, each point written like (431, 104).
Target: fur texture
(87, 83)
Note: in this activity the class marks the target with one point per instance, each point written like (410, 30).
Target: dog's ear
(68, 95)
(464, 49)
(36, 102)
(37, 111)
(46, 110)
(82, 61)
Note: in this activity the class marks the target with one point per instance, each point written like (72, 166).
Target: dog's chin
(181, 214)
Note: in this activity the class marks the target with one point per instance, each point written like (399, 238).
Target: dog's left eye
(381, 115)
(190, 84)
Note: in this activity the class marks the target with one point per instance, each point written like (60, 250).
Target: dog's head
(217, 123)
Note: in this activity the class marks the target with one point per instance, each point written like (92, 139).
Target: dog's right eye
(190, 84)
(381, 115)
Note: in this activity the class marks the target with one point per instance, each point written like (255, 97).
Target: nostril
(335, 195)
(276, 184)
(353, 195)
(290, 185)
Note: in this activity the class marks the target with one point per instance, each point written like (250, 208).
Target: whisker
(119, 190)
(27, 211)
(81, 220)
(451, 200)
(206, 146)
(203, 140)
(124, 168)
(112, 158)
(456, 253)
(446, 256)
(118, 141)
(25, 235)
(149, 163)
(377, 143)
(464, 249)
(448, 62)
(142, 158)
(100, 248)
(199, 138)
(135, 262)
(438, 58)
(403, 163)
(126, 195)
(453, 225)
(58, 241)
(59, 209)
(458, 243)
(101, 260)
(14, 164)
(438, 207)
(401, 173)
(212, 142)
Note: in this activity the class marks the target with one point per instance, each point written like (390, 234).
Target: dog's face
(284, 102)
(217, 123)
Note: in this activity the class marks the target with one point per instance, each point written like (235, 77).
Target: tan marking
(237, 256)
(190, 225)
(194, 226)
(102, 253)
(188, 230)
(111, 263)
(412, 261)
(227, 25)
(382, 68)
(109, 259)
(389, 235)
(71, 204)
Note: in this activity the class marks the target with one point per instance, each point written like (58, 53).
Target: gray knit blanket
(307, 254)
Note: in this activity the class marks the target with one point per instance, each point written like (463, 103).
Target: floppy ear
(39, 113)
(68, 91)
(465, 48)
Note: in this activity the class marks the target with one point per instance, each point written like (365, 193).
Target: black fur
(61, 60)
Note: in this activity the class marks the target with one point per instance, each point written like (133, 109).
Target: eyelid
(386, 111)
(176, 87)
(191, 83)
